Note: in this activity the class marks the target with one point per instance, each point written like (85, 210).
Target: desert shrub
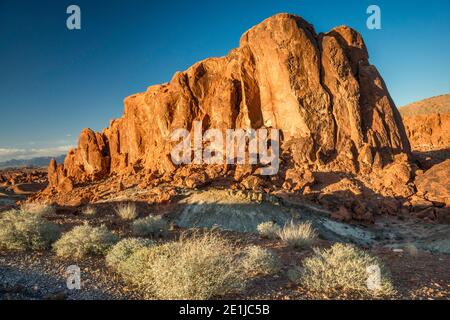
(127, 211)
(343, 268)
(89, 211)
(151, 226)
(259, 260)
(298, 235)
(85, 240)
(122, 250)
(23, 230)
(38, 208)
(199, 267)
(294, 274)
(135, 268)
(268, 230)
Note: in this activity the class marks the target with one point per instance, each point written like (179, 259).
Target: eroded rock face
(434, 184)
(428, 131)
(427, 123)
(90, 160)
(57, 177)
(331, 105)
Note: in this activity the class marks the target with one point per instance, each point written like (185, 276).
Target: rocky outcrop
(331, 105)
(427, 123)
(428, 131)
(434, 184)
(90, 160)
(57, 178)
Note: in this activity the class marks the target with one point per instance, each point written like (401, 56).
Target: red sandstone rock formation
(57, 177)
(428, 131)
(434, 184)
(427, 123)
(331, 105)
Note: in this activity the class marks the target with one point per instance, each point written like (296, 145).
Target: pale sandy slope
(438, 104)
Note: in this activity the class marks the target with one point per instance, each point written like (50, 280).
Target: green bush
(85, 240)
(261, 261)
(268, 230)
(200, 267)
(122, 250)
(151, 226)
(343, 268)
(22, 230)
(298, 235)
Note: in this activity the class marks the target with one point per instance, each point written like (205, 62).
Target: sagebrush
(151, 226)
(344, 268)
(260, 261)
(85, 240)
(268, 230)
(196, 267)
(21, 230)
(127, 211)
(298, 235)
(89, 211)
(122, 250)
(38, 208)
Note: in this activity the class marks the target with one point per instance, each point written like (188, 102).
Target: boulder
(434, 184)
(57, 178)
(330, 103)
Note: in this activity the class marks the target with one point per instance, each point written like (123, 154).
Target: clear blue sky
(54, 82)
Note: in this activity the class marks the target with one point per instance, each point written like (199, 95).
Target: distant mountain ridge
(438, 104)
(34, 162)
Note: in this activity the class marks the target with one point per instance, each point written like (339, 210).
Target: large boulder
(330, 104)
(434, 184)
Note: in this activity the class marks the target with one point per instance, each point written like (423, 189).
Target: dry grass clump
(298, 235)
(23, 230)
(260, 261)
(89, 211)
(38, 208)
(199, 267)
(127, 211)
(122, 250)
(344, 269)
(151, 226)
(268, 230)
(85, 240)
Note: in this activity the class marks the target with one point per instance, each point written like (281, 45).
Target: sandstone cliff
(330, 103)
(427, 123)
